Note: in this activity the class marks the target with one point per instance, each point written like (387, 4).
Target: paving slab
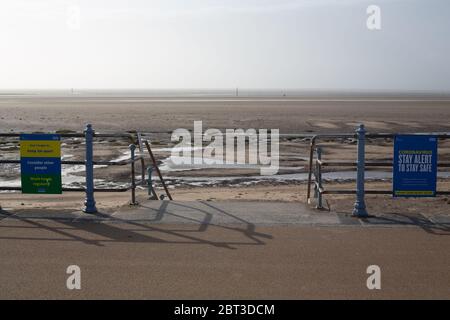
(441, 219)
(229, 212)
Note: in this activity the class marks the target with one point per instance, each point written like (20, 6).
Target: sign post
(40, 163)
(415, 166)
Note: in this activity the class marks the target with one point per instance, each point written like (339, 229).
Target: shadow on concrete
(435, 228)
(249, 229)
(89, 231)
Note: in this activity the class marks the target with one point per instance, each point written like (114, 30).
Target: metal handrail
(81, 162)
(315, 138)
(333, 163)
(342, 163)
(74, 135)
(88, 161)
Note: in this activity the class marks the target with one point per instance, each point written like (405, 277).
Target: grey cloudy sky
(301, 44)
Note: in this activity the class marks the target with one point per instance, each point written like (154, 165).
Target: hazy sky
(297, 44)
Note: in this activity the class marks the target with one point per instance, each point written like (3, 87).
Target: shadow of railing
(435, 228)
(136, 231)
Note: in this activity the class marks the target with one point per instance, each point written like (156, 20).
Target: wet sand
(164, 115)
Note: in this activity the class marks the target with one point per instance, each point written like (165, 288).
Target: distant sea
(230, 93)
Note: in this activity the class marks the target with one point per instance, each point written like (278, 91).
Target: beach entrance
(41, 163)
(413, 166)
(64, 162)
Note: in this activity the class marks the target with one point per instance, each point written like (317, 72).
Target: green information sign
(40, 163)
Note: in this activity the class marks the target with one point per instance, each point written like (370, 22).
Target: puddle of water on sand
(70, 179)
(295, 177)
(189, 163)
(176, 149)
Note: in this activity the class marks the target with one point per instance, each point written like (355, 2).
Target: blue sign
(415, 166)
(40, 165)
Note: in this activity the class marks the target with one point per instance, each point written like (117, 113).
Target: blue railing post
(151, 191)
(360, 205)
(319, 179)
(149, 181)
(133, 173)
(89, 203)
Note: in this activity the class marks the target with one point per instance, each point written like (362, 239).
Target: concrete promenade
(231, 250)
(229, 212)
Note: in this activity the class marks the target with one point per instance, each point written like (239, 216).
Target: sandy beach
(158, 117)
(290, 115)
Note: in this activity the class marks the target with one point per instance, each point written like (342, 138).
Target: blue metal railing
(89, 134)
(361, 135)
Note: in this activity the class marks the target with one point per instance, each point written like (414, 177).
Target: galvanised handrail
(361, 136)
(315, 138)
(89, 135)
